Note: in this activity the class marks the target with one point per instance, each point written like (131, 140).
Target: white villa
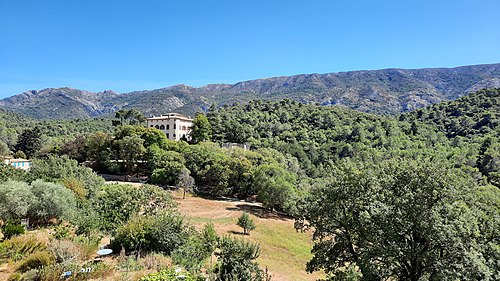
(174, 125)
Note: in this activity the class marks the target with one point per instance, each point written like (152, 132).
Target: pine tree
(246, 223)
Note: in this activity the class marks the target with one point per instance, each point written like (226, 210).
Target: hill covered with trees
(408, 197)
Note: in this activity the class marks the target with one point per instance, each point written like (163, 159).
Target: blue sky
(134, 45)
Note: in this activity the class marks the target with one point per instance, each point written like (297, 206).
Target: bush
(237, 260)
(19, 247)
(53, 201)
(118, 203)
(67, 250)
(160, 233)
(7, 172)
(169, 275)
(40, 201)
(14, 277)
(11, 229)
(16, 199)
(199, 247)
(245, 222)
(62, 232)
(61, 169)
(36, 261)
(30, 275)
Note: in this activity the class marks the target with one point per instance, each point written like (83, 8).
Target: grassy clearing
(283, 250)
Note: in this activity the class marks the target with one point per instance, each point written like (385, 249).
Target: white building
(174, 125)
(18, 163)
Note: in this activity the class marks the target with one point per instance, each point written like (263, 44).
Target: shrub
(16, 199)
(53, 201)
(245, 222)
(62, 232)
(70, 251)
(169, 275)
(11, 229)
(35, 261)
(156, 261)
(236, 260)
(40, 201)
(119, 202)
(199, 247)
(30, 275)
(19, 247)
(7, 172)
(14, 277)
(161, 233)
(61, 169)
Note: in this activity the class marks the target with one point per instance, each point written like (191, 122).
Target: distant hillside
(11, 124)
(475, 114)
(387, 91)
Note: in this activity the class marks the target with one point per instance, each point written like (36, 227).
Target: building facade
(18, 163)
(174, 125)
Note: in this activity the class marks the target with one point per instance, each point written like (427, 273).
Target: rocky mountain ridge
(386, 91)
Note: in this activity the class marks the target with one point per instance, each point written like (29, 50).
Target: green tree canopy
(245, 222)
(404, 220)
(275, 186)
(202, 130)
(29, 141)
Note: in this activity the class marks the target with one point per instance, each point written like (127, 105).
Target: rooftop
(170, 116)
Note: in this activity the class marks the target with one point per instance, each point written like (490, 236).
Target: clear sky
(133, 45)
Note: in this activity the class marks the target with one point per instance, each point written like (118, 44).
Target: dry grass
(283, 250)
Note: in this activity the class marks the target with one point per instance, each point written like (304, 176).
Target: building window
(174, 136)
(168, 127)
(151, 126)
(162, 127)
(168, 136)
(183, 128)
(157, 127)
(175, 125)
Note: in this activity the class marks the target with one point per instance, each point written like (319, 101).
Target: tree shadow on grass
(259, 212)
(236, 233)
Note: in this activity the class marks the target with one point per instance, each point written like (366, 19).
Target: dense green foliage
(39, 201)
(10, 229)
(237, 261)
(470, 115)
(7, 172)
(122, 202)
(159, 233)
(404, 220)
(202, 130)
(67, 171)
(197, 249)
(29, 142)
(53, 132)
(412, 197)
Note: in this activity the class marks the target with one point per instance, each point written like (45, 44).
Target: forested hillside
(53, 131)
(409, 197)
(469, 116)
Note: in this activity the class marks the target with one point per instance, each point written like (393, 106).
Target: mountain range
(387, 91)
